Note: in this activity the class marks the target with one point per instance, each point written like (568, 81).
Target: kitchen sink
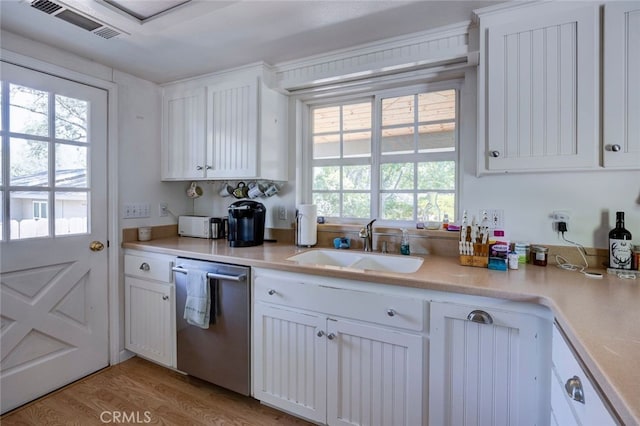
(359, 260)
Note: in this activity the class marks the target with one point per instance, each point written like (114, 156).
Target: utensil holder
(480, 258)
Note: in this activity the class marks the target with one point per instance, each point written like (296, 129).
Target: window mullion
(376, 132)
(4, 214)
(52, 164)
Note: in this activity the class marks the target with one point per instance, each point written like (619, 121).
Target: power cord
(564, 263)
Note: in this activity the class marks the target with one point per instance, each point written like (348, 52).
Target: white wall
(139, 104)
(591, 198)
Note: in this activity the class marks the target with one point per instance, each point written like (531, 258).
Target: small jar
(636, 257)
(539, 255)
(523, 252)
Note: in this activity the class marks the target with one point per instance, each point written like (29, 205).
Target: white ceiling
(205, 36)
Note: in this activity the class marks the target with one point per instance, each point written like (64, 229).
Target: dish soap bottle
(620, 247)
(404, 242)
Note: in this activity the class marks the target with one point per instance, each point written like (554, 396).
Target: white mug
(226, 190)
(194, 191)
(271, 190)
(255, 190)
(144, 233)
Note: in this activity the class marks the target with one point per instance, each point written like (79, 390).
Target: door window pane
(28, 110)
(72, 213)
(71, 166)
(71, 118)
(29, 162)
(22, 221)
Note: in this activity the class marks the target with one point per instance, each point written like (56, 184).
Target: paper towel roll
(306, 218)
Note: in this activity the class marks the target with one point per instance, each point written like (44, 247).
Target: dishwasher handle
(214, 275)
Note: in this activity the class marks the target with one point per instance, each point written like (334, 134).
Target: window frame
(377, 158)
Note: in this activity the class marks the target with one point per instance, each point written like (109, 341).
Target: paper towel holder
(306, 233)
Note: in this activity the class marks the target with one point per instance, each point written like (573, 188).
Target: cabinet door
(183, 134)
(621, 114)
(149, 312)
(486, 373)
(541, 110)
(232, 125)
(290, 361)
(375, 375)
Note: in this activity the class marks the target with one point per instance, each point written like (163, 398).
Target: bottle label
(620, 254)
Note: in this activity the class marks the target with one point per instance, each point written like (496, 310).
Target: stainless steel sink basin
(359, 260)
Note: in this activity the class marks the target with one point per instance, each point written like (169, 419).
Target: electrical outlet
(559, 216)
(163, 209)
(282, 213)
(495, 217)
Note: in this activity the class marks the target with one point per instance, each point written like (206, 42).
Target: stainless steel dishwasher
(221, 353)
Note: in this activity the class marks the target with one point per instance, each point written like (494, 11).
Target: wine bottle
(620, 248)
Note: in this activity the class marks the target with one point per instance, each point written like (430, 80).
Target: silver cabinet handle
(320, 333)
(480, 317)
(165, 297)
(208, 167)
(145, 266)
(494, 154)
(214, 275)
(331, 336)
(616, 148)
(574, 389)
(391, 312)
(199, 167)
(272, 292)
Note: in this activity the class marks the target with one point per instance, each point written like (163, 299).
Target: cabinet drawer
(148, 267)
(565, 367)
(385, 309)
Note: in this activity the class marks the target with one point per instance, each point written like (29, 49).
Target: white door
(53, 190)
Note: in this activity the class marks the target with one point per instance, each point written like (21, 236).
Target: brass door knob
(96, 246)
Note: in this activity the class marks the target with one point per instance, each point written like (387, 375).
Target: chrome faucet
(367, 234)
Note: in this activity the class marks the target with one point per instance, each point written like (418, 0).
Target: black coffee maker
(246, 223)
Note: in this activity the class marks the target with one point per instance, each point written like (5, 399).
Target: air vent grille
(106, 32)
(46, 6)
(76, 17)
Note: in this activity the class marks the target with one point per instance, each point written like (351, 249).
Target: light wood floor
(147, 394)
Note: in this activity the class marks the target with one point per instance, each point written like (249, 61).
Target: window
(43, 163)
(39, 209)
(390, 156)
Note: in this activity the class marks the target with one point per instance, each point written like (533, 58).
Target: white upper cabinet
(229, 126)
(183, 133)
(538, 88)
(621, 79)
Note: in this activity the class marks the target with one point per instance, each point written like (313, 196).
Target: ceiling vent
(77, 18)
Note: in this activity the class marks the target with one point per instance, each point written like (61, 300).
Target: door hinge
(108, 244)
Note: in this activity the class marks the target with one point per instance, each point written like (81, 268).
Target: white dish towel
(197, 308)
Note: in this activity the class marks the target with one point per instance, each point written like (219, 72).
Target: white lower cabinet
(574, 399)
(331, 369)
(487, 366)
(150, 308)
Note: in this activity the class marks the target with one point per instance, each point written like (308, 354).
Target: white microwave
(194, 226)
